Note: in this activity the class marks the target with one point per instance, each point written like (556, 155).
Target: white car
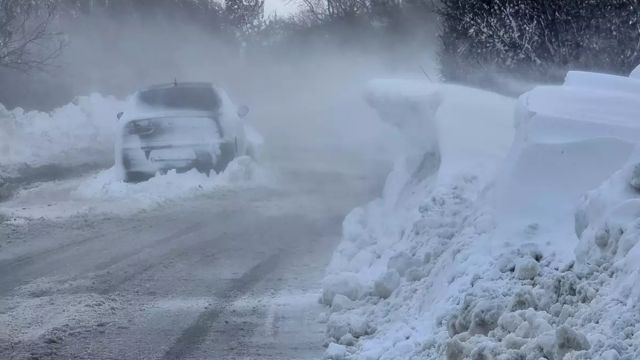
(179, 126)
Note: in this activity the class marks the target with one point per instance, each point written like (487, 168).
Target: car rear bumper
(151, 159)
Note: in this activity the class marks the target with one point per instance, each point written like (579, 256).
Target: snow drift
(569, 139)
(69, 141)
(77, 133)
(607, 223)
(480, 258)
(103, 192)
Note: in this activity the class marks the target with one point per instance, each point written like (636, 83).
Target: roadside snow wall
(78, 133)
(481, 259)
(396, 260)
(569, 140)
(71, 140)
(608, 254)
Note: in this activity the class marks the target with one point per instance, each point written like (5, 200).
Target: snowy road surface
(229, 275)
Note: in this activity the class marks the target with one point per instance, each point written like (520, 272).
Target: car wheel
(227, 154)
(136, 176)
(204, 162)
(133, 176)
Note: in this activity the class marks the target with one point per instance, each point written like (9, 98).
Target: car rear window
(197, 98)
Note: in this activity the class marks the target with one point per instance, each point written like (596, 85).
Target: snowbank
(569, 139)
(476, 259)
(635, 74)
(380, 223)
(603, 82)
(78, 133)
(105, 193)
(608, 225)
(404, 237)
(106, 186)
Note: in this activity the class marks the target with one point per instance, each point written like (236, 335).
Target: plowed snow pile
(104, 192)
(77, 133)
(481, 250)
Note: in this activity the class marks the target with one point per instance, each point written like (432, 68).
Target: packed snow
(77, 133)
(105, 192)
(496, 236)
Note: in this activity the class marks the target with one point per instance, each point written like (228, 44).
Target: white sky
(281, 7)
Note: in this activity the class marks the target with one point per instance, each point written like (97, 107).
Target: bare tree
(245, 15)
(537, 40)
(26, 41)
(331, 10)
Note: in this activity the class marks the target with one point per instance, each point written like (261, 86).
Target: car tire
(227, 154)
(136, 176)
(133, 176)
(204, 163)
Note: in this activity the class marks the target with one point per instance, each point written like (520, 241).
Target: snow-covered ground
(488, 241)
(104, 192)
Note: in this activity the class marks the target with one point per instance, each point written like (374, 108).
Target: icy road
(228, 275)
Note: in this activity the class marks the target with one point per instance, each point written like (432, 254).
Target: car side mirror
(243, 111)
(119, 115)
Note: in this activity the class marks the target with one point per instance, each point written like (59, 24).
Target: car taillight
(141, 127)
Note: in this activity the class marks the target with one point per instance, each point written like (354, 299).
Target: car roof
(180, 85)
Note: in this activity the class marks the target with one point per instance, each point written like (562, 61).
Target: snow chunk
(341, 324)
(523, 299)
(347, 340)
(335, 352)
(386, 284)
(340, 303)
(484, 317)
(402, 262)
(568, 340)
(347, 284)
(526, 269)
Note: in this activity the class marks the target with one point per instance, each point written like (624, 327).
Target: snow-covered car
(179, 126)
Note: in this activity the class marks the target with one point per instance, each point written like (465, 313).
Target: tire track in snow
(18, 267)
(142, 268)
(30, 258)
(197, 332)
(178, 234)
(15, 269)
